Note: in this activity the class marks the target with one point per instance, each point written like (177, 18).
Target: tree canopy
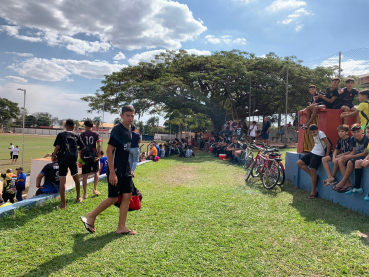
(215, 85)
(8, 111)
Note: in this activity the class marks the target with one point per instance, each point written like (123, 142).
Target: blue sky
(60, 50)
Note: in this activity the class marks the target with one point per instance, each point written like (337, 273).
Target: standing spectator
(20, 183)
(134, 152)
(239, 130)
(266, 129)
(15, 154)
(119, 175)
(67, 145)
(11, 148)
(8, 192)
(103, 163)
(51, 174)
(253, 130)
(90, 156)
(245, 129)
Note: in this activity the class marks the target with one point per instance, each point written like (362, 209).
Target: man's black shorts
(15, 157)
(312, 160)
(8, 196)
(90, 167)
(339, 106)
(125, 185)
(356, 159)
(63, 169)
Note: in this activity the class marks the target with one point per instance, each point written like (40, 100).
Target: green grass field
(35, 147)
(198, 218)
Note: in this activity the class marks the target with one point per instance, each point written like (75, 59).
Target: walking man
(11, 148)
(266, 129)
(119, 174)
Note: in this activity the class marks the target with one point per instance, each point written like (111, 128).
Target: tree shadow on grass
(346, 221)
(81, 249)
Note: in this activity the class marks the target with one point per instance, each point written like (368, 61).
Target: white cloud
(285, 4)
(287, 21)
(243, 1)
(299, 27)
(150, 55)
(348, 66)
(16, 79)
(123, 24)
(119, 56)
(13, 32)
(58, 69)
(20, 54)
(227, 39)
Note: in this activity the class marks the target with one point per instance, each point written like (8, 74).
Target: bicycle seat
(278, 160)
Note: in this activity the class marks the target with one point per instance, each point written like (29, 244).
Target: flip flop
(343, 190)
(335, 188)
(130, 232)
(85, 223)
(303, 127)
(327, 184)
(313, 196)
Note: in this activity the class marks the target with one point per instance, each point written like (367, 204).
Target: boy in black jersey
(343, 147)
(119, 174)
(316, 103)
(346, 98)
(67, 145)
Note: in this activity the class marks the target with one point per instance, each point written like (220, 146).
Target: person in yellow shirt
(8, 192)
(152, 153)
(362, 110)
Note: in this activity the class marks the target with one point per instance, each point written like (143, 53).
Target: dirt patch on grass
(182, 175)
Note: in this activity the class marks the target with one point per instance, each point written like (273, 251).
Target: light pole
(102, 126)
(24, 116)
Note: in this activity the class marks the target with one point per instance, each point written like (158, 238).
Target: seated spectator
(346, 98)
(343, 148)
(362, 110)
(313, 159)
(359, 165)
(103, 163)
(51, 174)
(166, 148)
(153, 152)
(20, 183)
(189, 152)
(162, 151)
(157, 148)
(359, 145)
(143, 157)
(330, 101)
(9, 180)
(316, 103)
(232, 148)
(3, 203)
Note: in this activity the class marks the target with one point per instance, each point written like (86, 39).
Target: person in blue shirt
(51, 174)
(103, 163)
(20, 183)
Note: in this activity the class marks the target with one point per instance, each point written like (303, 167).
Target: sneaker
(354, 190)
(366, 198)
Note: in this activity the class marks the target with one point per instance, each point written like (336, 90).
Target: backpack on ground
(69, 149)
(89, 154)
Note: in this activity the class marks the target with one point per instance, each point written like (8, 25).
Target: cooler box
(222, 156)
(211, 150)
(327, 120)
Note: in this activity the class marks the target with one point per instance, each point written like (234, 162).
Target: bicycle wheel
(249, 170)
(249, 156)
(282, 175)
(271, 176)
(255, 172)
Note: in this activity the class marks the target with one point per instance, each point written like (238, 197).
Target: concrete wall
(303, 181)
(291, 134)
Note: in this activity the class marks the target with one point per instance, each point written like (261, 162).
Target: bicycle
(265, 165)
(246, 157)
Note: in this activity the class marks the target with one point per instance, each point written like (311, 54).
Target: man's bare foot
(85, 196)
(329, 181)
(96, 192)
(338, 186)
(79, 199)
(125, 231)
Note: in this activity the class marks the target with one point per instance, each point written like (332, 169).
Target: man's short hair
(133, 127)
(70, 123)
(88, 123)
(349, 80)
(336, 79)
(365, 92)
(254, 122)
(312, 86)
(355, 127)
(343, 127)
(102, 153)
(189, 147)
(128, 108)
(313, 127)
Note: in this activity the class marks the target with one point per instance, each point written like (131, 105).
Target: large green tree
(8, 111)
(216, 85)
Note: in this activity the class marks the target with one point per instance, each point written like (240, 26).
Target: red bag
(156, 159)
(135, 203)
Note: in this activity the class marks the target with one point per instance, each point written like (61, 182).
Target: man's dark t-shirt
(77, 138)
(344, 145)
(90, 138)
(347, 97)
(51, 183)
(329, 94)
(120, 138)
(318, 101)
(266, 126)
